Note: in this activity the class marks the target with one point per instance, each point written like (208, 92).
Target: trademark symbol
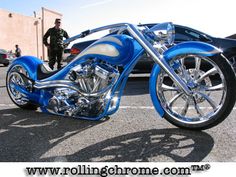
(201, 167)
(207, 166)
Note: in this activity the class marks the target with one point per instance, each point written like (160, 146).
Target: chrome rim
(14, 78)
(206, 81)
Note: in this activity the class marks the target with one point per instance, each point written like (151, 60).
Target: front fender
(30, 63)
(198, 48)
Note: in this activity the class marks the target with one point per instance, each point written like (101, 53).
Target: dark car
(77, 48)
(4, 57)
(182, 34)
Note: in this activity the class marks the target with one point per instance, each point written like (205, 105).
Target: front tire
(213, 83)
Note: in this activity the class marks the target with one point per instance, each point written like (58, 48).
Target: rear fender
(29, 63)
(199, 48)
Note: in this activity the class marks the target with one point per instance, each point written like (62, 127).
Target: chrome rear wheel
(15, 79)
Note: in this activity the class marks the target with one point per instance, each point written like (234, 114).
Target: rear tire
(18, 98)
(205, 93)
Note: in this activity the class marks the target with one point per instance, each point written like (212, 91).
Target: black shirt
(18, 52)
(56, 38)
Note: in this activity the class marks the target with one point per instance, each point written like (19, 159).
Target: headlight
(163, 32)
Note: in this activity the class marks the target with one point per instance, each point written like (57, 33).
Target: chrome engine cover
(94, 77)
(95, 81)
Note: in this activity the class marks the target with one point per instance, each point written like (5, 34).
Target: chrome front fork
(158, 58)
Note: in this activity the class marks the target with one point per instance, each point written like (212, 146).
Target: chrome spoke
(185, 74)
(208, 99)
(208, 73)
(171, 102)
(14, 79)
(197, 108)
(169, 88)
(197, 67)
(197, 63)
(185, 109)
(218, 87)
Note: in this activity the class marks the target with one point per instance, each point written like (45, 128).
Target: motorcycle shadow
(150, 145)
(26, 135)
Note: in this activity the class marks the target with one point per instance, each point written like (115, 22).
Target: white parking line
(136, 107)
(151, 107)
(7, 105)
(126, 107)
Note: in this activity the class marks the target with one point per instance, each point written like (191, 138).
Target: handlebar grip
(85, 33)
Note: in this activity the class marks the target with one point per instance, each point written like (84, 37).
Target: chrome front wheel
(211, 82)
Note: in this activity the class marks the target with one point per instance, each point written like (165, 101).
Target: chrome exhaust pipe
(68, 84)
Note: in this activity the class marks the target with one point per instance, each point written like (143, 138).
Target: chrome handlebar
(88, 32)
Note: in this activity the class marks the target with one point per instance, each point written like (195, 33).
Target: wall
(25, 31)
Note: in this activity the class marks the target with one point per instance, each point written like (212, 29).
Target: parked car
(65, 54)
(182, 34)
(77, 48)
(4, 59)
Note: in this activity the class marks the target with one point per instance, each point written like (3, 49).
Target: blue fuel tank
(113, 49)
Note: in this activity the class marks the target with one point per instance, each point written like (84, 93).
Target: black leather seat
(44, 72)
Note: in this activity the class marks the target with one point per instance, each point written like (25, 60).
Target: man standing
(56, 45)
(17, 51)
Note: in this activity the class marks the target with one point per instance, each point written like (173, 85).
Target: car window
(193, 34)
(183, 33)
(187, 35)
(182, 37)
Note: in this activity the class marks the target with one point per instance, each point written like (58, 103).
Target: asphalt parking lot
(135, 133)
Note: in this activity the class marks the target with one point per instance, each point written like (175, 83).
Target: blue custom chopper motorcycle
(90, 87)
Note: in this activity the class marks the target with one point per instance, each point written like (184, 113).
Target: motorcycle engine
(94, 80)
